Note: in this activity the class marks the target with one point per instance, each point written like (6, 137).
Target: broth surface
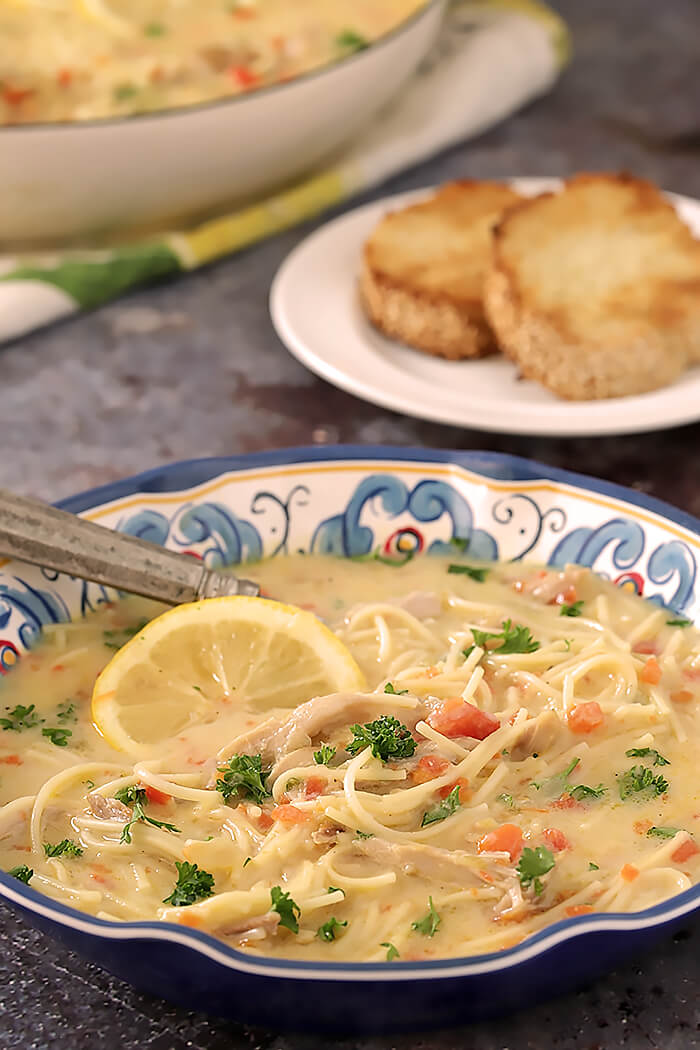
(544, 767)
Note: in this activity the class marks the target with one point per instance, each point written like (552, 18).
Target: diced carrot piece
(243, 76)
(556, 840)
(651, 672)
(508, 838)
(641, 826)
(566, 597)
(16, 96)
(629, 873)
(647, 648)
(584, 718)
(186, 918)
(456, 717)
(265, 821)
(12, 760)
(685, 851)
(462, 783)
(244, 13)
(156, 797)
(429, 767)
(314, 787)
(683, 696)
(58, 667)
(64, 77)
(566, 802)
(578, 909)
(289, 815)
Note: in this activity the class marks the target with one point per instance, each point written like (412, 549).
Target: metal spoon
(43, 535)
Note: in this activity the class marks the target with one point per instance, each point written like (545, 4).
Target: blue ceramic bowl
(346, 501)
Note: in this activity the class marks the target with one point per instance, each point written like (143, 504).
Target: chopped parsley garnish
(506, 799)
(514, 639)
(350, 40)
(444, 809)
(247, 861)
(327, 931)
(21, 717)
(66, 712)
(532, 865)
(647, 752)
(59, 737)
(662, 833)
(389, 688)
(391, 951)
(324, 754)
(571, 609)
(119, 636)
(387, 737)
(592, 866)
(560, 784)
(287, 909)
(336, 889)
(641, 780)
(468, 570)
(192, 885)
(23, 873)
(124, 91)
(65, 846)
(364, 834)
(582, 792)
(130, 795)
(679, 622)
(154, 29)
(139, 814)
(429, 924)
(244, 775)
(89, 784)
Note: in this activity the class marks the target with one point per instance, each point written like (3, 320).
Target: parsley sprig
(287, 909)
(139, 814)
(389, 688)
(560, 784)
(20, 718)
(647, 752)
(387, 737)
(444, 809)
(65, 846)
(533, 864)
(324, 755)
(192, 885)
(59, 737)
(571, 608)
(640, 780)
(23, 873)
(680, 621)
(391, 951)
(514, 638)
(662, 833)
(430, 923)
(326, 932)
(243, 775)
(477, 574)
(351, 40)
(130, 795)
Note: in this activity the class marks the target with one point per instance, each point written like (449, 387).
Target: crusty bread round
(595, 291)
(423, 270)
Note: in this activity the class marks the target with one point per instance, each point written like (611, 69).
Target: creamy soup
(86, 59)
(526, 753)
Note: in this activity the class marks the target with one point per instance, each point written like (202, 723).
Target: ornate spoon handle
(43, 535)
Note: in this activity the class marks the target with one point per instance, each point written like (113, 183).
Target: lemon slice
(189, 665)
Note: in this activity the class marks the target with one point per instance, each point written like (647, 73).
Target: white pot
(103, 177)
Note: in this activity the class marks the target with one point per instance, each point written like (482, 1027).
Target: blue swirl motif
(228, 538)
(585, 545)
(92, 595)
(148, 525)
(529, 521)
(266, 503)
(343, 534)
(35, 605)
(670, 559)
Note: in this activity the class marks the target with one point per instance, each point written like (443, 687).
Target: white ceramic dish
(69, 180)
(316, 312)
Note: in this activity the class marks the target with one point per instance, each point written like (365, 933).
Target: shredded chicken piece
(327, 834)
(424, 605)
(277, 737)
(538, 735)
(108, 808)
(303, 756)
(254, 928)
(453, 866)
(550, 586)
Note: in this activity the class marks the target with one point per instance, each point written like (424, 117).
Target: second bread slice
(423, 270)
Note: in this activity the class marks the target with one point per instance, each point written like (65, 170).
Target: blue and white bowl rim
(501, 466)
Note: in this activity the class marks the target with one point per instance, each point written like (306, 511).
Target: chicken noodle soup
(86, 59)
(525, 753)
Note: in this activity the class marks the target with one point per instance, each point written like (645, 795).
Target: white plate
(317, 314)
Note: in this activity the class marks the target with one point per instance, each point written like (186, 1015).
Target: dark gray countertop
(194, 368)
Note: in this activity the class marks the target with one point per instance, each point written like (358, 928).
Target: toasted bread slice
(424, 267)
(595, 291)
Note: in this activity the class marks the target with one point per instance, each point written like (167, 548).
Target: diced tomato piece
(556, 840)
(456, 717)
(64, 77)
(629, 873)
(566, 802)
(462, 783)
(265, 821)
(186, 918)
(683, 696)
(651, 672)
(566, 597)
(58, 667)
(156, 797)
(578, 909)
(314, 787)
(506, 839)
(12, 760)
(243, 76)
(584, 718)
(244, 13)
(429, 767)
(641, 826)
(693, 673)
(685, 851)
(16, 96)
(289, 815)
(647, 648)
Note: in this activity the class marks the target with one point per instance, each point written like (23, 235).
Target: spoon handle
(44, 535)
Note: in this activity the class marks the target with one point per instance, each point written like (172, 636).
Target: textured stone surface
(194, 368)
